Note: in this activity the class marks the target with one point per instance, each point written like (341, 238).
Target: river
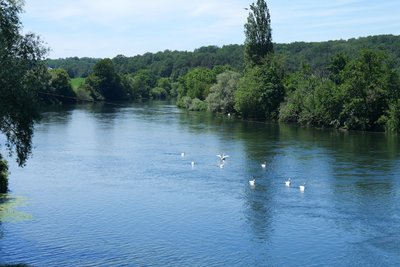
(107, 186)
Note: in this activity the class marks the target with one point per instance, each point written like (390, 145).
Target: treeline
(174, 64)
(166, 64)
(358, 94)
(319, 54)
(75, 67)
(343, 84)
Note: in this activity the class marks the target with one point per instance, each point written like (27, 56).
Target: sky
(104, 28)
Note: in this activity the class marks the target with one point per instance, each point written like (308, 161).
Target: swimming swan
(302, 187)
(252, 182)
(263, 165)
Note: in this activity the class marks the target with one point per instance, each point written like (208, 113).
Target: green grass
(76, 82)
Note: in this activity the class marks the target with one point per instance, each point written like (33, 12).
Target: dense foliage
(359, 94)
(316, 54)
(195, 85)
(75, 67)
(3, 175)
(22, 75)
(60, 84)
(105, 83)
(261, 90)
(222, 94)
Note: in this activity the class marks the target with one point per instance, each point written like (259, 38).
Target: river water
(108, 186)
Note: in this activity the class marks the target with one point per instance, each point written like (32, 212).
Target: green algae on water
(9, 209)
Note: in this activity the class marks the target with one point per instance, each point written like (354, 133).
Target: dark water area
(107, 186)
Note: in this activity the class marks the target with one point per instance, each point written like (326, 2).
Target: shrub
(3, 175)
(198, 105)
(184, 102)
(158, 93)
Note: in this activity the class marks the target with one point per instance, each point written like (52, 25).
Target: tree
(106, 82)
(261, 90)
(22, 76)
(197, 82)
(3, 175)
(61, 85)
(142, 83)
(222, 94)
(258, 33)
(336, 66)
(311, 100)
(366, 89)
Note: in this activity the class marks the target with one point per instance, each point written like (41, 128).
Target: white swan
(263, 165)
(192, 163)
(288, 182)
(302, 187)
(223, 157)
(182, 154)
(252, 182)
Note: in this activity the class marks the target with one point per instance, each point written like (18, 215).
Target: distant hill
(174, 64)
(318, 54)
(76, 67)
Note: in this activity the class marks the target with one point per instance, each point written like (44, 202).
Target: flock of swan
(288, 183)
(222, 157)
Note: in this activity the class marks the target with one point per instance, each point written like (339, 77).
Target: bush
(83, 94)
(158, 93)
(393, 118)
(3, 175)
(184, 102)
(222, 94)
(198, 105)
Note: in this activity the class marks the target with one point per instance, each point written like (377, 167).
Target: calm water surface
(107, 186)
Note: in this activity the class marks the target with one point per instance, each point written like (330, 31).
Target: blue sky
(103, 28)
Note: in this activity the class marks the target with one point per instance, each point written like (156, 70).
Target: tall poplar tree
(258, 33)
(261, 89)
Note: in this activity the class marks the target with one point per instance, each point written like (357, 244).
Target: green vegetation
(3, 175)
(163, 75)
(316, 54)
(258, 43)
(350, 84)
(359, 94)
(105, 84)
(9, 211)
(75, 67)
(222, 94)
(261, 88)
(20, 83)
(77, 82)
(60, 84)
